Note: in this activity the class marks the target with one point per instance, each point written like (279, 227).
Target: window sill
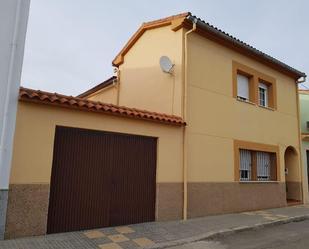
(245, 101)
(267, 108)
(259, 182)
(255, 104)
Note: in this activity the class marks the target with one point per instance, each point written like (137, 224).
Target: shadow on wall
(292, 174)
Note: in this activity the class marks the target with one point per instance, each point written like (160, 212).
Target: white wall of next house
(13, 26)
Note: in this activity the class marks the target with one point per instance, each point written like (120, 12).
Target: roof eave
(229, 41)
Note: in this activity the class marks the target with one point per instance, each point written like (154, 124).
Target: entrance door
(101, 179)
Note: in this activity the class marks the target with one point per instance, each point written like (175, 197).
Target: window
(243, 87)
(254, 87)
(263, 164)
(263, 94)
(245, 165)
(254, 164)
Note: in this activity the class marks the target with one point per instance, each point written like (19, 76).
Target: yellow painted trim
(255, 77)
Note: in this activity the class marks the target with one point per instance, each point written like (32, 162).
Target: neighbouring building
(304, 125)
(13, 27)
(216, 131)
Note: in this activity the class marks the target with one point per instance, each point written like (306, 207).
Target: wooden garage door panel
(134, 179)
(101, 179)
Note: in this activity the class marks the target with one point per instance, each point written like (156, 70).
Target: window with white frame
(263, 94)
(257, 165)
(243, 87)
(263, 164)
(245, 165)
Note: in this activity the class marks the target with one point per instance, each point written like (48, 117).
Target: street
(293, 235)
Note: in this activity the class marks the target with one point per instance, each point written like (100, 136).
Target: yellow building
(220, 134)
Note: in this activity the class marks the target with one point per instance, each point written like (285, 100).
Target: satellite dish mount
(166, 65)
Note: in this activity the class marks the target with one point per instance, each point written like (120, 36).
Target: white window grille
(245, 165)
(263, 94)
(263, 166)
(242, 87)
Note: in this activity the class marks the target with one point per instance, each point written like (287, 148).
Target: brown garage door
(101, 179)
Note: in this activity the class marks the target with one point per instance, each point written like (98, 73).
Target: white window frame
(245, 164)
(264, 87)
(263, 165)
(243, 87)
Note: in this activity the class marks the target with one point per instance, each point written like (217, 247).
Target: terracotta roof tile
(37, 96)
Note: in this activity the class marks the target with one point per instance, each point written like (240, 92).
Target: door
(101, 179)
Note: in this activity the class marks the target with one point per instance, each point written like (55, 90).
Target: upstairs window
(263, 94)
(243, 84)
(254, 87)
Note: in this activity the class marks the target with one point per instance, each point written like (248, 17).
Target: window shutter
(263, 166)
(242, 86)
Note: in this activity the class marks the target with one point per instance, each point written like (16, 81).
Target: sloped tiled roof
(37, 96)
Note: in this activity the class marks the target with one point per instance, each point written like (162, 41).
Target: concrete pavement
(285, 236)
(161, 234)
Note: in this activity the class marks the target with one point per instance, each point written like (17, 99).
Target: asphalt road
(288, 236)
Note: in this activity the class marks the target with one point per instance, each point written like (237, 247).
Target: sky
(70, 44)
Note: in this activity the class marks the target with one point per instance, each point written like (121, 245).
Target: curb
(226, 232)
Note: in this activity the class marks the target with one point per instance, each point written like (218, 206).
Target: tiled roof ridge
(31, 95)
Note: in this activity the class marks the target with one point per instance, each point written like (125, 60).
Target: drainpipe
(304, 199)
(118, 85)
(184, 116)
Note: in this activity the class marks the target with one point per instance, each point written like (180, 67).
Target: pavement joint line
(228, 231)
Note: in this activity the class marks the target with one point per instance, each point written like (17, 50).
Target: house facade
(304, 118)
(210, 136)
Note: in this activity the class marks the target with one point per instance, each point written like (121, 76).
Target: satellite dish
(166, 64)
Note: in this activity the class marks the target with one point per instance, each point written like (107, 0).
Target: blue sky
(70, 44)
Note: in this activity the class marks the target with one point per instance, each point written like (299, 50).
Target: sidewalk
(161, 234)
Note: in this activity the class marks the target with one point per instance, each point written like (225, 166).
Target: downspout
(184, 116)
(117, 85)
(300, 139)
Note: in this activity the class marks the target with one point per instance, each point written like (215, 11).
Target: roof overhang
(176, 21)
(185, 20)
(59, 100)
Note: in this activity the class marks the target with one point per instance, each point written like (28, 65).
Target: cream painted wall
(34, 138)
(142, 83)
(106, 95)
(215, 118)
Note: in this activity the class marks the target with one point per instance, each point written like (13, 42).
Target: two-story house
(196, 122)
(304, 126)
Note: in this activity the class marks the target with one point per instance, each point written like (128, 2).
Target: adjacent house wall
(33, 153)
(304, 118)
(13, 26)
(105, 95)
(216, 119)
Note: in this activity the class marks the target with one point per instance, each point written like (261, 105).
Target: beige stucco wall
(215, 118)
(142, 83)
(106, 95)
(34, 139)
